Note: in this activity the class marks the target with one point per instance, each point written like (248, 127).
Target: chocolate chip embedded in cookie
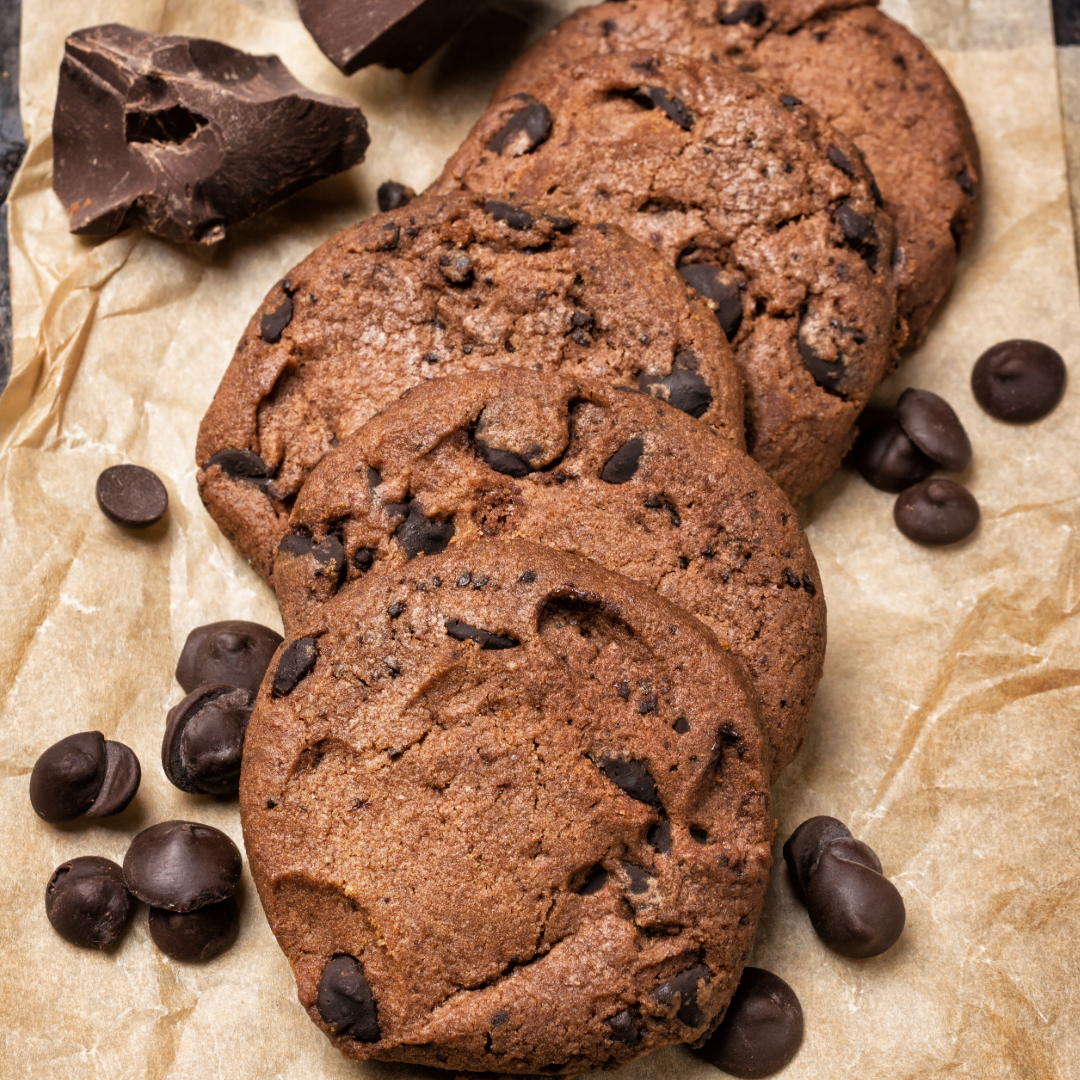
(510, 777)
(442, 286)
(862, 71)
(716, 170)
(619, 478)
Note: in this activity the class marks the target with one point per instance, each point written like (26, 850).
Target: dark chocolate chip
(623, 464)
(841, 161)
(194, 936)
(624, 690)
(393, 196)
(639, 878)
(966, 182)
(499, 1017)
(726, 295)
(234, 653)
(345, 1001)
(761, 1030)
(418, 534)
(888, 459)
(204, 740)
(461, 631)
(457, 268)
(514, 216)
(790, 101)
(1019, 381)
(632, 777)
(524, 131)
(123, 775)
(684, 990)
(830, 375)
(296, 663)
(131, 496)
(395, 611)
(274, 324)
(660, 837)
(683, 389)
(364, 559)
(875, 191)
(805, 845)
(859, 232)
(673, 108)
(751, 11)
(595, 881)
(503, 461)
(87, 902)
(931, 424)
(624, 1028)
(681, 726)
(240, 465)
(528, 577)
(792, 579)
(560, 223)
(647, 704)
(182, 865)
(67, 777)
(329, 555)
(936, 512)
(808, 584)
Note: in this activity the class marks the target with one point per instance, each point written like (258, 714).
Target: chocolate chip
(594, 881)
(660, 837)
(1019, 381)
(623, 464)
(805, 845)
(204, 740)
(395, 611)
(683, 389)
(830, 375)
(514, 216)
(841, 161)
(761, 1030)
(329, 555)
(131, 496)
(931, 424)
(393, 196)
(296, 663)
(234, 653)
(792, 579)
(808, 584)
(859, 232)
(123, 774)
(240, 465)
(683, 991)
(364, 559)
(875, 191)
(632, 777)
(418, 534)
(87, 902)
(752, 12)
(681, 726)
(647, 704)
(524, 131)
(499, 1017)
(182, 865)
(888, 459)
(194, 936)
(528, 577)
(456, 268)
(639, 878)
(966, 182)
(83, 774)
(673, 108)
(936, 512)
(461, 631)
(726, 295)
(345, 1001)
(560, 223)
(624, 1028)
(790, 101)
(273, 324)
(503, 461)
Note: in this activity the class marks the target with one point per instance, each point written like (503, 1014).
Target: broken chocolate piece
(186, 136)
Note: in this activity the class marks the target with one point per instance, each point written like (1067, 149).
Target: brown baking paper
(946, 728)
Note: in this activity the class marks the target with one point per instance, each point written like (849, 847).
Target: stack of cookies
(518, 457)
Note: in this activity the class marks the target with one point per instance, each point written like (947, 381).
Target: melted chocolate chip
(393, 196)
(830, 375)
(859, 232)
(790, 101)
(88, 903)
(524, 131)
(329, 555)
(639, 878)
(195, 936)
(1019, 381)
(936, 513)
(345, 1001)
(204, 740)
(624, 1028)
(296, 663)
(888, 459)
(131, 496)
(674, 108)
(683, 991)
(274, 324)
(932, 425)
(683, 389)
(234, 653)
(726, 295)
(420, 535)
(503, 461)
(841, 161)
(632, 777)
(751, 11)
(623, 464)
(515, 218)
(461, 631)
(660, 837)
(240, 465)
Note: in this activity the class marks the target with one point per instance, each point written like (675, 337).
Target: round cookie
(862, 71)
(444, 285)
(507, 811)
(765, 208)
(572, 464)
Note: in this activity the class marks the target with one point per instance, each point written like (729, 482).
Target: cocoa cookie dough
(765, 209)
(442, 286)
(862, 71)
(519, 825)
(619, 478)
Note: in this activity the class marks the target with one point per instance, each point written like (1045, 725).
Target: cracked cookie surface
(443, 285)
(512, 815)
(572, 464)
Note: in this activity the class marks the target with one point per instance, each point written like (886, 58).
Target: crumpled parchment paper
(947, 728)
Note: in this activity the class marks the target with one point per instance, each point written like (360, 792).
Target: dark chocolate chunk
(639, 878)
(516, 218)
(888, 459)
(67, 777)
(182, 865)
(632, 777)
(931, 424)
(193, 936)
(830, 375)
(185, 136)
(624, 1028)
(87, 902)
(420, 535)
(681, 726)
(660, 837)
(1019, 381)
(241, 465)
(790, 101)
(329, 555)
(503, 461)
(273, 324)
(761, 1030)
(623, 464)
(131, 496)
(727, 296)
(859, 232)
(395, 611)
(683, 389)
(683, 991)
(524, 131)
(345, 1001)
(393, 196)
(123, 774)
(204, 740)
(296, 663)
(234, 653)
(936, 512)
(461, 631)
(750, 11)
(674, 108)
(841, 161)
(364, 559)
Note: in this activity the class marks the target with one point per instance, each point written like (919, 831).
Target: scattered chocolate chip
(503, 461)
(805, 845)
(841, 161)
(123, 774)
(681, 726)
(395, 611)
(171, 134)
(461, 631)
(345, 1001)
(624, 690)
(830, 375)
(87, 902)
(647, 704)
(560, 223)
(364, 559)
(456, 268)
(624, 1028)
(528, 577)
(182, 865)
(194, 936)
(418, 534)
(131, 496)
(673, 108)
(639, 878)
(234, 652)
(296, 663)
(83, 774)
(393, 196)
(204, 740)
(752, 12)
(515, 218)
(660, 837)
(808, 584)
(329, 555)
(936, 512)
(683, 990)
(623, 464)
(524, 131)
(683, 388)
(859, 232)
(632, 777)
(274, 323)
(888, 459)
(932, 425)
(726, 295)
(1019, 381)
(240, 465)
(761, 1030)
(790, 101)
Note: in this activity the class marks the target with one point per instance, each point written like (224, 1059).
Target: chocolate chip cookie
(619, 478)
(862, 71)
(765, 209)
(444, 285)
(508, 811)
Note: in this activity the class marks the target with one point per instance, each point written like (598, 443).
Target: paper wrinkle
(945, 732)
